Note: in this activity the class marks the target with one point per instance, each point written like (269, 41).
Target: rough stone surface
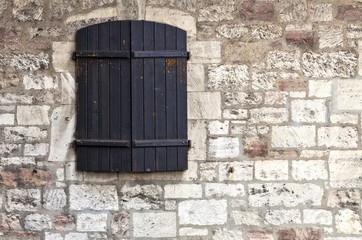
(38, 222)
(283, 60)
(205, 52)
(216, 10)
(299, 233)
(293, 137)
(183, 191)
(349, 198)
(228, 77)
(7, 119)
(95, 197)
(197, 134)
(257, 10)
(30, 62)
(154, 225)
(309, 170)
(202, 212)
(141, 197)
(92, 222)
(38, 149)
(10, 222)
(330, 36)
(320, 88)
(195, 77)
(32, 115)
(295, 10)
(64, 222)
(317, 216)
(221, 190)
(227, 234)
(349, 97)
(120, 224)
(204, 105)
(338, 137)
(271, 170)
(300, 35)
(236, 171)
(246, 218)
(23, 199)
(348, 222)
(224, 148)
(269, 115)
(54, 199)
(279, 217)
(232, 31)
(322, 12)
(28, 10)
(309, 111)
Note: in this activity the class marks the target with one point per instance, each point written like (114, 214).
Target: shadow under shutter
(132, 108)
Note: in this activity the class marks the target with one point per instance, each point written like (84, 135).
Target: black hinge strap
(161, 54)
(101, 54)
(161, 143)
(102, 143)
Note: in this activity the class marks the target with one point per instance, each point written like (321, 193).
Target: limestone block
(17, 161)
(279, 217)
(300, 233)
(224, 234)
(249, 218)
(197, 134)
(64, 223)
(264, 80)
(320, 88)
(245, 99)
(38, 149)
(94, 197)
(354, 31)
(321, 12)
(205, 52)
(131, 9)
(92, 222)
(276, 98)
(269, 115)
(348, 222)
(345, 169)
(23, 199)
(38, 222)
(316, 154)
(224, 147)
(285, 194)
(28, 10)
(40, 81)
(154, 225)
(100, 13)
(317, 216)
(228, 77)
(183, 191)
(293, 137)
(208, 171)
(297, 94)
(338, 137)
(53, 236)
(173, 17)
(120, 224)
(293, 10)
(32, 115)
(29, 62)
(202, 212)
(54, 199)
(68, 88)
(283, 60)
(266, 32)
(344, 118)
(62, 56)
(256, 235)
(236, 171)
(231, 31)
(218, 127)
(195, 77)
(329, 64)
(9, 98)
(245, 52)
(24, 134)
(10, 221)
(216, 10)
(235, 114)
(309, 170)
(309, 111)
(62, 128)
(141, 197)
(271, 170)
(330, 36)
(71, 173)
(344, 198)
(224, 190)
(204, 105)
(7, 119)
(349, 96)
(300, 35)
(76, 236)
(190, 232)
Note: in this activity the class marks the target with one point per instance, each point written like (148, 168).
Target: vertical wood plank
(181, 101)
(160, 97)
(92, 125)
(149, 95)
(171, 97)
(81, 68)
(138, 163)
(103, 97)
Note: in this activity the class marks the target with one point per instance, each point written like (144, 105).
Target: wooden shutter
(132, 108)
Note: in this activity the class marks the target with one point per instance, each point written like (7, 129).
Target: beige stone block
(249, 218)
(218, 128)
(204, 105)
(97, 13)
(224, 147)
(309, 170)
(32, 115)
(235, 114)
(269, 115)
(183, 191)
(338, 137)
(224, 190)
(348, 222)
(68, 88)
(279, 217)
(309, 111)
(38, 149)
(92, 222)
(7, 119)
(190, 232)
(330, 36)
(154, 224)
(283, 60)
(293, 137)
(320, 88)
(24, 134)
(344, 118)
(205, 52)
(93, 197)
(349, 95)
(236, 171)
(197, 134)
(62, 56)
(321, 12)
(317, 216)
(228, 77)
(231, 31)
(271, 170)
(195, 77)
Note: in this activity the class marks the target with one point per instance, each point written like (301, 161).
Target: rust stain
(170, 62)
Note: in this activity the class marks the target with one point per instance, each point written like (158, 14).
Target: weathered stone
(299, 233)
(309, 111)
(334, 64)
(309, 170)
(32, 115)
(345, 169)
(9, 81)
(266, 32)
(7, 108)
(92, 222)
(349, 13)
(23, 199)
(256, 235)
(95, 177)
(204, 105)
(202, 212)
(8, 178)
(349, 96)
(7, 119)
(227, 234)
(246, 218)
(284, 194)
(349, 198)
(76, 236)
(255, 147)
(208, 172)
(231, 31)
(264, 80)
(71, 173)
(295, 10)
(276, 98)
(269, 115)
(141, 197)
(257, 10)
(246, 52)
(54, 199)
(173, 17)
(34, 177)
(189, 232)
(183, 191)
(320, 88)
(300, 35)
(68, 88)
(62, 128)
(283, 60)
(297, 94)
(348, 222)
(62, 56)
(62, 7)
(321, 12)
(205, 52)
(293, 137)
(53, 236)
(9, 221)
(287, 85)
(64, 222)
(330, 36)
(28, 10)
(38, 222)
(221, 190)
(228, 77)
(29, 62)
(218, 128)
(38, 149)
(236, 114)
(17, 161)
(154, 225)
(279, 217)
(131, 9)
(317, 216)
(216, 10)
(40, 81)
(338, 137)
(236, 171)
(271, 170)
(314, 154)
(120, 224)
(354, 31)
(195, 77)
(224, 147)
(87, 4)
(242, 99)
(197, 134)
(95, 197)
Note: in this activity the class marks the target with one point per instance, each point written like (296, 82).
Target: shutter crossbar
(101, 54)
(102, 143)
(160, 54)
(162, 143)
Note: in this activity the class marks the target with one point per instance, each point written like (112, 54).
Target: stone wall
(274, 108)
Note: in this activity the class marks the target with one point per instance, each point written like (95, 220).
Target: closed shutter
(132, 108)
